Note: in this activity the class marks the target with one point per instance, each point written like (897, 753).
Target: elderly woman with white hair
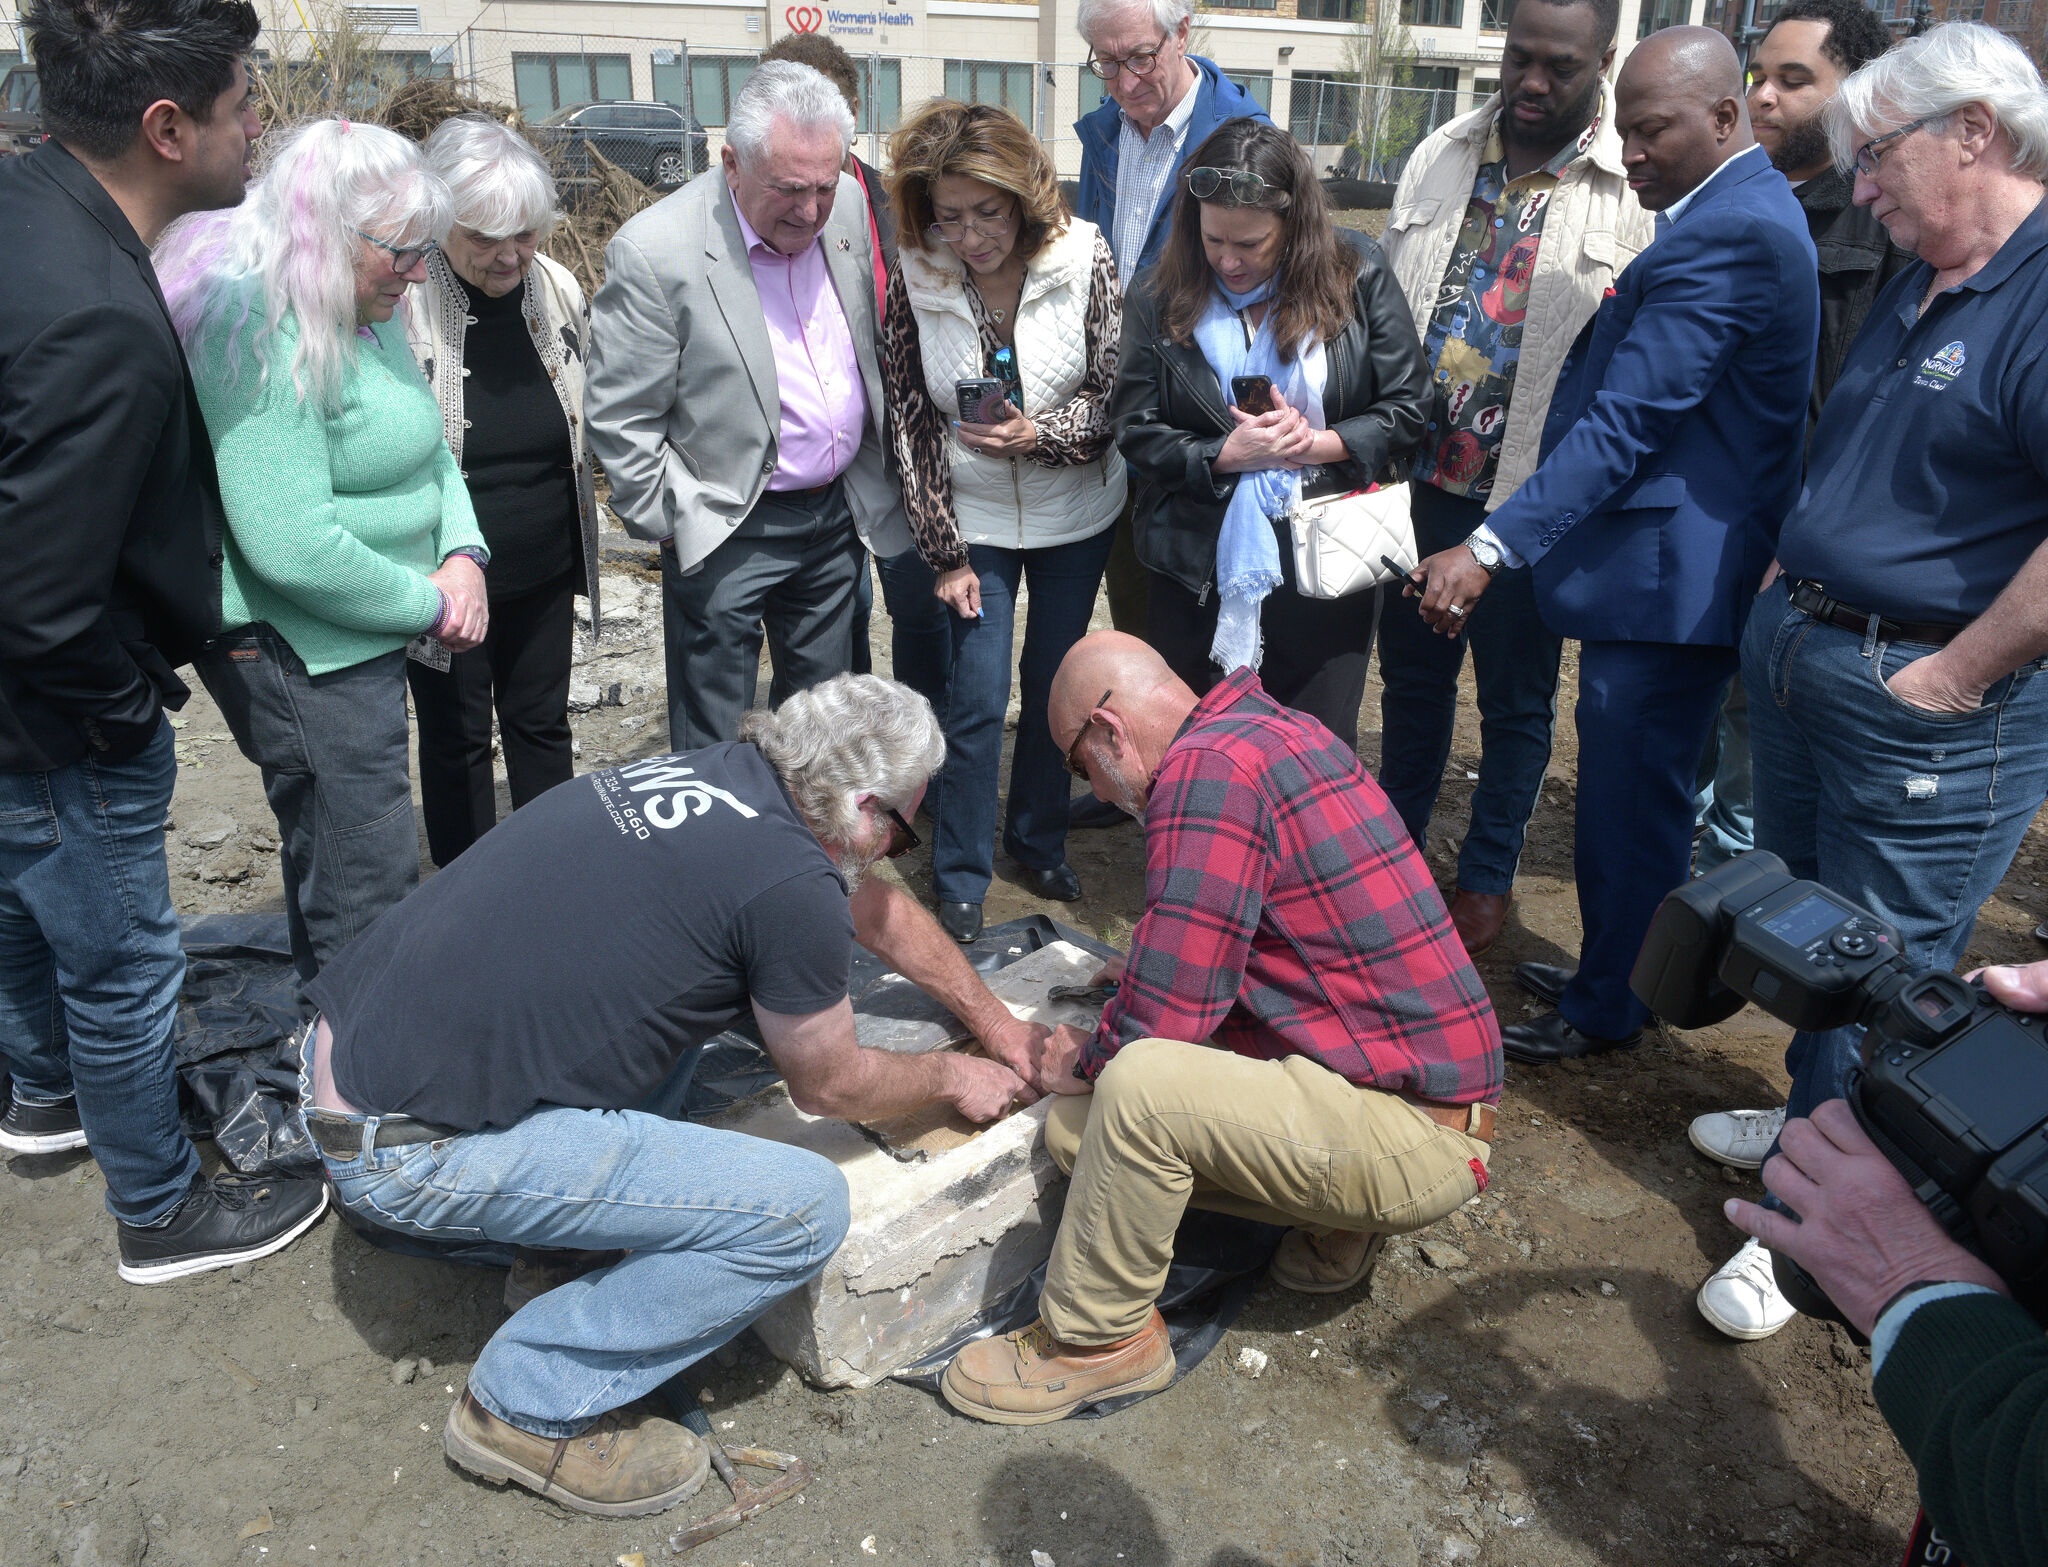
(502, 333)
(1904, 751)
(349, 532)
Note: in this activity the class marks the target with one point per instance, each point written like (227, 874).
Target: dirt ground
(1526, 1385)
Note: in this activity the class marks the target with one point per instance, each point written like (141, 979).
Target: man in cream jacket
(1510, 225)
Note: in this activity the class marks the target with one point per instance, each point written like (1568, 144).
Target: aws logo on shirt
(1938, 370)
(672, 794)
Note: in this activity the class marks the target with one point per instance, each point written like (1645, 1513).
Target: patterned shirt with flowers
(1474, 341)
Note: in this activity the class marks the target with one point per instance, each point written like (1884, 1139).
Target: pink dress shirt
(817, 374)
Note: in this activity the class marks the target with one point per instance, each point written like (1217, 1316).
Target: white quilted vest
(1013, 502)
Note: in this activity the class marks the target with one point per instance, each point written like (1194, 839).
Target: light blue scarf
(1247, 551)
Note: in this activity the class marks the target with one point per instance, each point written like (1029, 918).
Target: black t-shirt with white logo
(575, 952)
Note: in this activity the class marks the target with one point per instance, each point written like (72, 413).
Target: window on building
(1660, 14)
(1332, 10)
(1493, 15)
(1259, 84)
(1323, 108)
(546, 83)
(715, 80)
(1484, 87)
(410, 64)
(1240, 5)
(881, 94)
(991, 81)
(1433, 13)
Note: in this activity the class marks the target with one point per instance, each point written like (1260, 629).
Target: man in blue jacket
(1163, 102)
(1671, 456)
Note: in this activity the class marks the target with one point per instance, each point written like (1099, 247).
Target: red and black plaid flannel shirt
(1287, 913)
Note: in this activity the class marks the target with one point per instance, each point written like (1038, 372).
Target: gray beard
(1805, 145)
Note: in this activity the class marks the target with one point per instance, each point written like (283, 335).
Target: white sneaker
(1742, 1300)
(1737, 1138)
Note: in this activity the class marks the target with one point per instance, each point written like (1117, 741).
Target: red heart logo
(804, 18)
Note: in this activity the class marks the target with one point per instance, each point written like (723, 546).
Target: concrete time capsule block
(947, 1218)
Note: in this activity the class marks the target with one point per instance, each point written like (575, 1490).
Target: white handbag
(1339, 539)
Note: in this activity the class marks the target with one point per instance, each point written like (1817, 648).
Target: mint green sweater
(335, 521)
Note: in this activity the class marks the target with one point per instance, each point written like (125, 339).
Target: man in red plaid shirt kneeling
(1290, 921)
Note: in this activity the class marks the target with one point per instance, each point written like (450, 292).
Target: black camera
(1953, 1087)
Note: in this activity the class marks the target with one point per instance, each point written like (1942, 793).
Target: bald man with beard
(1671, 456)
(1297, 1037)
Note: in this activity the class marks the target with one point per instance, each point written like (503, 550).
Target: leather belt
(343, 1139)
(1472, 1120)
(1810, 598)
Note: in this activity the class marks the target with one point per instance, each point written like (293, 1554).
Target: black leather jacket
(1172, 416)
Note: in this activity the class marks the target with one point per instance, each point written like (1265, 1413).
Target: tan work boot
(535, 1271)
(1326, 1265)
(1030, 1378)
(631, 1461)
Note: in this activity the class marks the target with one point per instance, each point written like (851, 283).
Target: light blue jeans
(718, 1227)
(1914, 815)
(90, 966)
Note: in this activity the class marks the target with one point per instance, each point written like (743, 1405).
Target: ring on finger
(1454, 609)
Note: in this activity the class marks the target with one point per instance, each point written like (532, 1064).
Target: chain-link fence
(1351, 131)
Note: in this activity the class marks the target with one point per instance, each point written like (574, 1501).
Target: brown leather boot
(535, 1271)
(1030, 1378)
(1325, 1265)
(629, 1462)
(1478, 917)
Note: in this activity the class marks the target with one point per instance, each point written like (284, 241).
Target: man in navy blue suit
(1671, 456)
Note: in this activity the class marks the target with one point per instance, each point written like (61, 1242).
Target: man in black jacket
(110, 527)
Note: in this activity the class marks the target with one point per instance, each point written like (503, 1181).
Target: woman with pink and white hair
(349, 531)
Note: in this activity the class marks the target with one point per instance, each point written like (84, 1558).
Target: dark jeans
(90, 965)
(1124, 578)
(790, 566)
(524, 666)
(1914, 815)
(1643, 714)
(1317, 651)
(1062, 580)
(1514, 658)
(921, 628)
(332, 751)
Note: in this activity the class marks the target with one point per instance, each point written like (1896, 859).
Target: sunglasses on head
(1075, 765)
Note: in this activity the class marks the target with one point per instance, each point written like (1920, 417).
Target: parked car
(21, 111)
(656, 143)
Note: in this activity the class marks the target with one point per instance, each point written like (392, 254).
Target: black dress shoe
(1550, 1038)
(1059, 884)
(1544, 981)
(1086, 813)
(961, 921)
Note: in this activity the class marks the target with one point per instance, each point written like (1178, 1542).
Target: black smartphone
(1405, 576)
(979, 397)
(1252, 393)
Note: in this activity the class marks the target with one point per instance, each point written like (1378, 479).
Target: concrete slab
(946, 1217)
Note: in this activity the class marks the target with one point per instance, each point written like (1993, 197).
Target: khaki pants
(1285, 1142)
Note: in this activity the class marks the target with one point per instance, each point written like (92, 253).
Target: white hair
(849, 736)
(1169, 14)
(500, 184)
(1932, 76)
(290, 248)
(784, 90)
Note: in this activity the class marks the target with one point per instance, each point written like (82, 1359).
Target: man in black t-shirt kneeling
(491, 1057)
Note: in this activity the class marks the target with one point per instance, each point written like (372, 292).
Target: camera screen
(1996, 1075)
(1805, 920)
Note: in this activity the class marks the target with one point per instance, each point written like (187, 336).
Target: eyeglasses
(1245, 188)
(987, 228)
(1139, 62)
(1867, 155)
(1074, 763)
(403, 258)
(902, 837)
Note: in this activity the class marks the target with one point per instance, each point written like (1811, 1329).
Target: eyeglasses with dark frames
(1867, 155)
(403, 257)
(1075, 765)
(1139, 62)
(902, 837)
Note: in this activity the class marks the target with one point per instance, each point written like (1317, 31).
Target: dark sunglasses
(1074, 763)
(902, 837)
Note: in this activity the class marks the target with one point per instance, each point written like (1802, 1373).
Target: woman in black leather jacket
(1252, 237)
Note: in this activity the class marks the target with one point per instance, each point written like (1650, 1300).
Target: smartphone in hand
(979, 397)
(1252, 393)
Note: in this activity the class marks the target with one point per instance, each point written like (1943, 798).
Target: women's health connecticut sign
(899, 21)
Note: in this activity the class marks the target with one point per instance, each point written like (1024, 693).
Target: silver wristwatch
(1486, 553)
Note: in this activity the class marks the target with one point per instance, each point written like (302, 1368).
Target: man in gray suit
(735, 400)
